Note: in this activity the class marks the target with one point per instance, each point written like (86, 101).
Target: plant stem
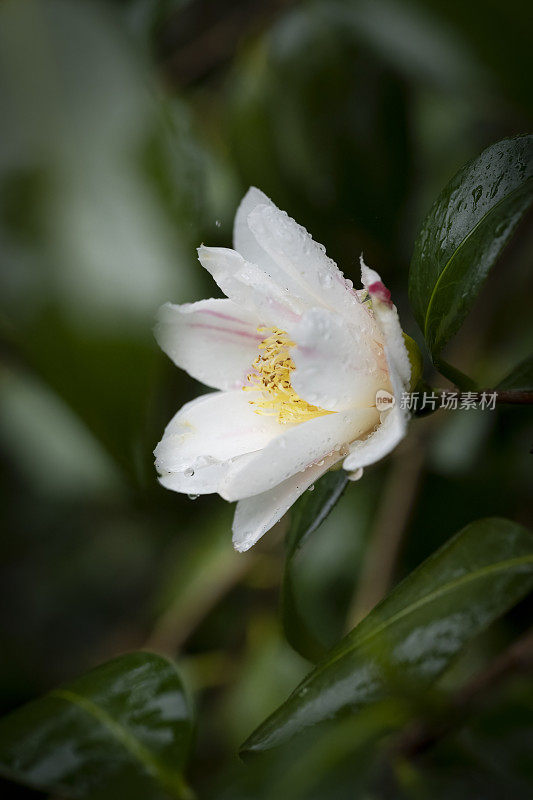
(518, 397)
(515, 397)
(455, 375)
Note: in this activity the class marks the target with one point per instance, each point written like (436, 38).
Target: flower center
(272, 377)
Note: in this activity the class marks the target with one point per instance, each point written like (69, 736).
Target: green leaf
(413, 635)
(123, 729)
(520, 379)
(347, 754)
(464, 233)
(310, 511)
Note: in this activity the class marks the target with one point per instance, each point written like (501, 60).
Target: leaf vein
(444, 589)
(166, 777)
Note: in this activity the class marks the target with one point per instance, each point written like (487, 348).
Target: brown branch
(518, 397)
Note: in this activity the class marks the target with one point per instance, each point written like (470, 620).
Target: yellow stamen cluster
(272, 377)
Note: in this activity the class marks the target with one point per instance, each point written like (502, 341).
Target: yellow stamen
(272, 377)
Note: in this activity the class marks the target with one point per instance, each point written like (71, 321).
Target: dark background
(130, 130)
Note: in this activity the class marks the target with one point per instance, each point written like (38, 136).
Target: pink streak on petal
(379, 291)
(220, 315)
(256, 337)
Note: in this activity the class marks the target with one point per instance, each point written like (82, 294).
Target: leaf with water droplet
(121, 730)
(413, 635)
(464, 233)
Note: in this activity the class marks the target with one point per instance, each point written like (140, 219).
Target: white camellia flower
(296, 357)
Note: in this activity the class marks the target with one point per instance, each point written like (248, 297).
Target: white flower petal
(201, 477)
(389, 323)
(379, 443)
(250, 287)
(220, 425)
(244, 241)
(214, 340)
(255, 515)
(393, 425)
(295, 253)
(338, 365)
(295, 450)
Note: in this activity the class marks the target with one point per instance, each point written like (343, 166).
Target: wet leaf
(123, 729)
(464, 233)
(410, 638)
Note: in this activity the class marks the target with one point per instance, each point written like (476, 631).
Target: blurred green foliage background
(130, 130)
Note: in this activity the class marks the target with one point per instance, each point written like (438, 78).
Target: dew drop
(476, 194)
(311, 488)
(193, 496)
(189, 472)
(218, 223)
(325, 279)
(356, 475)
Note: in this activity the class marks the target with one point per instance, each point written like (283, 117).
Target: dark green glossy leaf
(520, 379)
(464, 233)
(347, 754)
(412, 636)
(310, 511)
(123, 729)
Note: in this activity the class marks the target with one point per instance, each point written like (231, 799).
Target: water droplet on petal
(193, 496)
(189, 472)
(356, 474)
(311, 488)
